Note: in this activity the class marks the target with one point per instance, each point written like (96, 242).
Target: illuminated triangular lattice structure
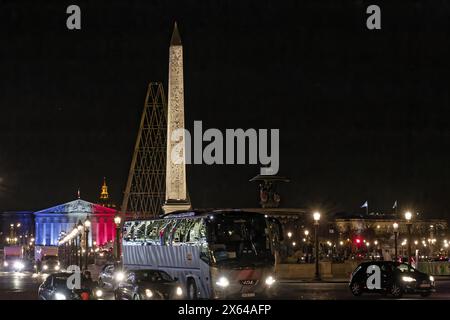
(145, 189)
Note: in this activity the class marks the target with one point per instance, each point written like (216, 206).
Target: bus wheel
(192, 290)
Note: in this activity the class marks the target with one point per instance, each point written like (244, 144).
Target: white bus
(213, 254)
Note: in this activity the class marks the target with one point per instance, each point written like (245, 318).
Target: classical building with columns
(49, 223)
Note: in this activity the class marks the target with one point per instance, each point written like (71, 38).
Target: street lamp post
(80, 234)
(307, 246)
(117, 221)
(289, 234)
(408, 217)
(87, 225)
(316, 217)
(395, 240)
(74, 257)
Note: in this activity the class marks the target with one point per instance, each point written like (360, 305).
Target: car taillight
(84, 296)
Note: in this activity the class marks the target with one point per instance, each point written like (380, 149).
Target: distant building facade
(375, 232)
(16, 227)
(49, 223)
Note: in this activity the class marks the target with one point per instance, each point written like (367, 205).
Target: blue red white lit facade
(49, 223)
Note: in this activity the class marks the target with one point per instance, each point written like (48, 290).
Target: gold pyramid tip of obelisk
(176, 39)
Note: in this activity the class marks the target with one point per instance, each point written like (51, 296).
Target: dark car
(148, 285)
(395, 278)
(55, 287)
(110, 275)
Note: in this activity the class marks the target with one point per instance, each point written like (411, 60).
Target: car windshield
(11, 258)
(60, 282)
(240, 239)
(153, 276)
(405, 267)
(49, 258)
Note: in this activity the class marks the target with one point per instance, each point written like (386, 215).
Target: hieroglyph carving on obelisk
(176, 193)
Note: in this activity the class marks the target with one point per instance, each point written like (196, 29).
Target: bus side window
(178, 234)
(197, 232)
(140, 232)
(202, 231)
(165, 232)
(129, 232)
(173, 236)
(125, 232)
(189, 226)
(148, 231)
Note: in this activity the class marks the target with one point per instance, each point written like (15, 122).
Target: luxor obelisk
(176, 190)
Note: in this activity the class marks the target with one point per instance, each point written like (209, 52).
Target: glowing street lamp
(316, 217)
(395, 225)
(117, 221)
(87, 225)
(78, 235)
(289, 234)
(408, 217)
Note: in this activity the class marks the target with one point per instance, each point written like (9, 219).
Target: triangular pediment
(76, 207)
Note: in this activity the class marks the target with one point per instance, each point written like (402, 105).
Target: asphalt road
(24, 286)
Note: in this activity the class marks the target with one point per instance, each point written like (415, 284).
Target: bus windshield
(241, 240)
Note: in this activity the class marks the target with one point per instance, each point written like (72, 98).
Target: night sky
(363, 115)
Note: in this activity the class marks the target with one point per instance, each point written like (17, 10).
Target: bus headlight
(120, 276)
(179, 291)
(56, 268)
(270, 280)
(99, 293)
(5, 264)
(60, 296)
(45, 267)
(148, 293)
(223, 282)
(408, 279)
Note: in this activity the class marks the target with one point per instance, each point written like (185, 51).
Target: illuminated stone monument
(176, 191)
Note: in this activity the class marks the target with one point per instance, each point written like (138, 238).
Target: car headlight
(60, 296)
(120, 276)
(45, 267)
(148, 293)
(408, 279)
(57, 268)
(5, 264)
(98, 293)
(223, 282)
(270, 280)
(18, 265)
(431, 278)
(179, 291)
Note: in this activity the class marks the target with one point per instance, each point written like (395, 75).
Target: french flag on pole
(365, 205)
